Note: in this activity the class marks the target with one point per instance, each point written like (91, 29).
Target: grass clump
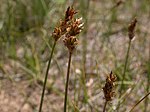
(57, 33)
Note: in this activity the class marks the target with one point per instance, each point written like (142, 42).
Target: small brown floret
(70, 43)
(109, 86)
(69, 14)
(131, 29)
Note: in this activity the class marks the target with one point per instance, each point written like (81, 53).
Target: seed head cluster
(74, 28)
(108, 89)
(69, 27)
(131, 28)
(70, 42)
(61, 29)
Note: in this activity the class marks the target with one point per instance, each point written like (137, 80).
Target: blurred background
(25, 45)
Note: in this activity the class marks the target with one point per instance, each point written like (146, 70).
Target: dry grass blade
(139, 102)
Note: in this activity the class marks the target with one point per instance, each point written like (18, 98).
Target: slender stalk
(148, 80)
(45, 81)
(124, 73)
(104, 109)
(67, 81)
(125, 67)
(139, 102)
(85, 5)
(85, 14)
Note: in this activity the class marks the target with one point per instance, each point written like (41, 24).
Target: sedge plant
(70, 41)
(131, 34)
(60, 30)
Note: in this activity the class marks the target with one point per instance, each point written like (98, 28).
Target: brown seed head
(57, 33)
(69, 14)
(75, 27)
(119, 3)
(109, 86)
(70, 43)
(64, 25)
(61, 29)
(131, 29)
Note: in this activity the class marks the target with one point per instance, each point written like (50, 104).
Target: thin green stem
(124, 73)
(85, 5)
(67, 81)
(104, 109)
(139, 102)
(125, 67)
(45, 81)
